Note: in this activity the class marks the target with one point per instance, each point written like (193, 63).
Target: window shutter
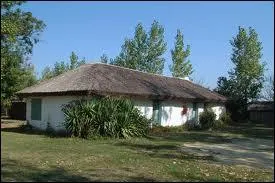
(36, 109)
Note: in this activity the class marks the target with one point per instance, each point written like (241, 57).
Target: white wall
(145, 106)
(51, 111)
(170, 111)
(218, 109)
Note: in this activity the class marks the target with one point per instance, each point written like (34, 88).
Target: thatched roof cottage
(163, 98)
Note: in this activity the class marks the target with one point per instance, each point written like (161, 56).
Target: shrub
(192, 125)
(78, 118)
(157, 129)
(219, 124)
(207, 119)
(49, 129)
(107, 117)
(226, 118)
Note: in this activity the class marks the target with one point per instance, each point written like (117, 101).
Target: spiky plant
(107, 117)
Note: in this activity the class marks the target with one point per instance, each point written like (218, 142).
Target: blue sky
(93, 28)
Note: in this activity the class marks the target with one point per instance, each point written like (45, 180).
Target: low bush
(107, 117)
(157, 129)
(207, 119)
(192, 125)
(219, 124)
(226, 118)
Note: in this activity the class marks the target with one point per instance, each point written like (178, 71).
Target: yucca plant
(107, 117)
(78, 117)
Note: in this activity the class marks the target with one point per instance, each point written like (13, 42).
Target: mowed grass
(37, 157)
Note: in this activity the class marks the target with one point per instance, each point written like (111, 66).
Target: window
(36, 109)
(156, 112)
(195, 111)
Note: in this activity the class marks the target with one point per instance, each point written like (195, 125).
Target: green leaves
(246, 79)
(180, 67)
(144, 52)
(61, 67)
(19, 33)
(207, 119)
(107, 117)
(104, 59)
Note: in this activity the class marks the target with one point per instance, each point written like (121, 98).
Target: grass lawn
(36, 157)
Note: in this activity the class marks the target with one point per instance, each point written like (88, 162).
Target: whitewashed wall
(50, 111)
(145, 106)
(218, 109)
(170, 111)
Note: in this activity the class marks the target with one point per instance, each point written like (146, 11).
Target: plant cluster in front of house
(106, 117)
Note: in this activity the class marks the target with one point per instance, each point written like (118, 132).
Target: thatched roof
(261, 106)
(104, 79)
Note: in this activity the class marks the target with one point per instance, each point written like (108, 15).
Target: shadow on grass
(163, 151)
(250, 130)
(191, 136)
(26, 129)
(13, 170)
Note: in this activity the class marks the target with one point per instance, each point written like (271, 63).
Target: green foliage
(180, 67)
(207, 119)
(47, 73)
(158, 129)
(268, 90)
(106, 117)
(61, 67)
(104, 59)
(78, 118)
(226, 118)
(192, 125)
(19, 32)
(246, 79)
(143, 52)
(219, 124)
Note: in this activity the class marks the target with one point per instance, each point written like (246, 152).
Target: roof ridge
(52, 78)
(170, 77)
(137, 71)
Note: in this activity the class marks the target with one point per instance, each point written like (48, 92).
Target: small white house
(169, 101)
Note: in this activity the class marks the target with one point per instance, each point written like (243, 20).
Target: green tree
(19, 33)
(156, 48)
(74, 61)
(246, 78)
(47, 73)
(181, 67)
(268, 90)
(125, 57)
(143, 52)
(28, 76)
(61, 67)
(104, 59)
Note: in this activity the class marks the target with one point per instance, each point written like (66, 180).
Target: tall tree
(143, 52)
(104, 59)
(61, 67)
(156, 48)
(73, 61)
(181, 67)
(246, 78)
(19, 33)
(268, 90)
(47, 73)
